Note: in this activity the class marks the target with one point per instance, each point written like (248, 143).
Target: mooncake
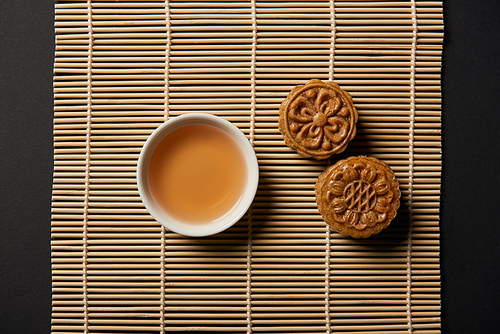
(358, 196)
(318, 119)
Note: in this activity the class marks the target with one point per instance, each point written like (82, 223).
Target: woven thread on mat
(334, 34)
(249, 273)
(412, 148)
(167, 115)
(87, 167)
(167, 59)
(327, 281)
(252, 141)
(254, 57)
(328, 234)
(162, 295)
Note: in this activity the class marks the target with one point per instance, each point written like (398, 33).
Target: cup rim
(235, 213)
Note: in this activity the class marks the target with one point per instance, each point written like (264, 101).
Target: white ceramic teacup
(249, 189)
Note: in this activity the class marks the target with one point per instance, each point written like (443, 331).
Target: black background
(470, 193)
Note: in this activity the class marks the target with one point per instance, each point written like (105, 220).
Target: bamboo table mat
(123, 67)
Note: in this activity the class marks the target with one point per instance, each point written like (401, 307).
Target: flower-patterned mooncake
(318, 119)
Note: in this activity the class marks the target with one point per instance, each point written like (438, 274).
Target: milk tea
(197, 173)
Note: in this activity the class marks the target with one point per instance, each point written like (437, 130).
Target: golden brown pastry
(318, 119)
(358, 196)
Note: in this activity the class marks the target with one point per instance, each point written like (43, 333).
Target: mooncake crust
(358, 196)
(318, 119)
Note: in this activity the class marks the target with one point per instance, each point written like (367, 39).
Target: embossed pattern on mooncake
(358, 196)
(318, 119)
